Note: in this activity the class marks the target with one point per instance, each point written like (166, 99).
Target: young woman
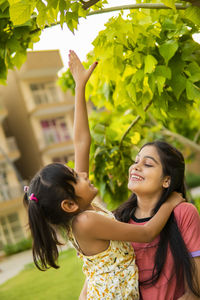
(169, 266)
(61, 196)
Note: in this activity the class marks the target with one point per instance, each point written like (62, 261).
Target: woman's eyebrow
(147, 156)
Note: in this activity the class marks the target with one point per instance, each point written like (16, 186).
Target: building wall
(40, 117)
(36, 82)
(12, 214)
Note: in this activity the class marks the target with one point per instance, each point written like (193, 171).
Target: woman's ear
(69, 206)
(166, 181)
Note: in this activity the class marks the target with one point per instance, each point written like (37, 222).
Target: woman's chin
(134, 188)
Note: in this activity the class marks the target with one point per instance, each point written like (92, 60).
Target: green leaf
(195, 77)
(149, 64)
(170, 3)
(160, 83)
(99, 128)
(193, 92)
(131, 91)
(168, 49)
(163, 71)
(42, 15)
(178, 84)
(20, 11)
(52, 3)
(3, 73)
(193, 14)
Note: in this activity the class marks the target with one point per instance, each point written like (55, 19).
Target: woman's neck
(146, 205)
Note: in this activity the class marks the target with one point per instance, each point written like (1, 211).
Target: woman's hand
(79, 73)
(175, 199)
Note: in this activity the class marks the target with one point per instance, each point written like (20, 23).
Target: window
(55, 130)
(44, 92)
(10, 230)
(4, 190)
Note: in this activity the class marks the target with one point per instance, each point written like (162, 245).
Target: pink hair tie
(26, 188)
(32, 197)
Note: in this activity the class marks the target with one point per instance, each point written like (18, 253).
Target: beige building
(40, 117)
(11, 188)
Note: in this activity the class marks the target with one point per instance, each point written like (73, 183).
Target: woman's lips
(136, 177)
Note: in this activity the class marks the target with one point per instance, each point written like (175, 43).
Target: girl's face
(146, 173)
(84, 190)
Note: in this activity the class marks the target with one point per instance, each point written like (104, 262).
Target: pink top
(188, 221)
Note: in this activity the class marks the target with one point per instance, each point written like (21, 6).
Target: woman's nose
(135, 167)
(84, 174)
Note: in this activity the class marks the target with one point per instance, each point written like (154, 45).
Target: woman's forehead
(149, 151)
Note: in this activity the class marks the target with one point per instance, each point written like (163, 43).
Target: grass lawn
(64, 283)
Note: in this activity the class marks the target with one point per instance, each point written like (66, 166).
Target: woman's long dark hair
(174, 166)
(50, 186)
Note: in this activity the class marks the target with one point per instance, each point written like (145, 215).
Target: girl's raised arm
(82, 138)
(96, 226)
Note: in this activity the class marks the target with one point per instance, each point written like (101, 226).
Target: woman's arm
(96, 226)
(82, 138)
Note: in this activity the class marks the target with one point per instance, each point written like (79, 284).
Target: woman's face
(146, 173)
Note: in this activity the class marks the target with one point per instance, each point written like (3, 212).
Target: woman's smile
(135, 177)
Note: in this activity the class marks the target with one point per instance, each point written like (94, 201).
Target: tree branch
(116, 8)
(196, 136)
(181, 139)
(133, 123)
(193, 2)
(137, 6)
(88, 4)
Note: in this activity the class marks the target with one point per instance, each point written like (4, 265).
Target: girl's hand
(79, 73)
(175, 199)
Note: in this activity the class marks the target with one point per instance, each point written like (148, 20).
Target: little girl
(60, 197)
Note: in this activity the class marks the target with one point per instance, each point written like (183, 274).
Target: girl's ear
(69, 206)
(166, 181)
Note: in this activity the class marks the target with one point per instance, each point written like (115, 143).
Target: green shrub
(22, 245)
(192, 180)
(197, 203)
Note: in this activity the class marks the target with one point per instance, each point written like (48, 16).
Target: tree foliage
(21, 22)
(148, 77)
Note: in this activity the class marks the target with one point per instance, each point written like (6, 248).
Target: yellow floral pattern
(112, 274)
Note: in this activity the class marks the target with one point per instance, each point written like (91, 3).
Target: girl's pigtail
(45, 252)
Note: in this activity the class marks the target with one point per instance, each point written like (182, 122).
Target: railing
(45, 96)
(8, 193)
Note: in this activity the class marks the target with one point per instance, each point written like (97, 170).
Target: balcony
(8, 193)
(10, 150)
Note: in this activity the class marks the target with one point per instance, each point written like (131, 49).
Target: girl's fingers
(92, 67)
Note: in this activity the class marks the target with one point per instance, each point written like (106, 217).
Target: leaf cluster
(15, 40)
(146, 57)
(21, 22)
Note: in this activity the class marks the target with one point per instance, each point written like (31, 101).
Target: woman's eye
(135, 162)
(147, 165)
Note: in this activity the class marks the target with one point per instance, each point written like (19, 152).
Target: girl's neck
(146, 205)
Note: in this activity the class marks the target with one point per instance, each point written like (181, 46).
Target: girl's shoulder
(86, 219)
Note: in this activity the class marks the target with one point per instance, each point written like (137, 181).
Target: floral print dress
(111, 274)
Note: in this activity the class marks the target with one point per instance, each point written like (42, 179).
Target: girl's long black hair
(174, 166)
(50, 186)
